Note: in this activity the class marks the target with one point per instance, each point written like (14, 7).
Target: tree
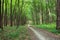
(14, 11)
(18, 15)
(5, 15)
(58, 15)
(10, 12)
(1, 16)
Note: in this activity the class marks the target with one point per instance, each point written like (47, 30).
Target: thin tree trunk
(41, 20)
(2, 11)
(33, 17)
(11, 13)
(47, 14)
(58, 15)
(14, 11)
(5, 16)
(1, 26)
(18, 16)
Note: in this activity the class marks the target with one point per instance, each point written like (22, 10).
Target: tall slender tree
(18, 14)
(11, 13)
(14, 11)
(1, 17)
(58, 15)
(5, 15)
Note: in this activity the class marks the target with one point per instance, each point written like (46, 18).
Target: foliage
(13, 33)
(19, 12)
(49, 27)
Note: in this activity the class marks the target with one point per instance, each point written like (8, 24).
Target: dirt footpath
(39, 34)
(32, 35)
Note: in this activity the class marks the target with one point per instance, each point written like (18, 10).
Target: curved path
(42, 35)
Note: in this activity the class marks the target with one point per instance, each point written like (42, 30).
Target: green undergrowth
(49, 27)
(13, 33)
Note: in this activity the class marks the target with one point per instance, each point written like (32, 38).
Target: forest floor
(14, 33)
(40, 34)
(26, 33)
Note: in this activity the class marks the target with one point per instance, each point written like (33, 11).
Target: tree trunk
(41, 17)
(18, 16)
(47, 15)
(1, 26)
(11, 13)
(58, 15)
(5, 15)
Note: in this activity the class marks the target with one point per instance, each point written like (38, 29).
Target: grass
(49, 27)
(13, 33)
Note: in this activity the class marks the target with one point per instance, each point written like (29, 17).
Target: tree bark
(11, 13)
(41, 17)
(18, 16)
(1, 26)
(58, 15)
(5, 15)
(47, 14)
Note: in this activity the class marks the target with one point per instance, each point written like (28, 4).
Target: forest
(18, 18)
